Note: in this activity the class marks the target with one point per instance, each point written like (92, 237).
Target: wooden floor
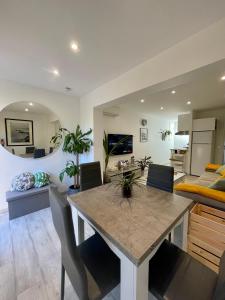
(30, 259)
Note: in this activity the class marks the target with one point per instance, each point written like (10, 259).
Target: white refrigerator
(202, 151)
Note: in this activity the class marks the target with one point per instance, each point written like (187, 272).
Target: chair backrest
(90, 175)
(38, 153)
(219, 293)
(30, 150)
(63, 222)
(161, 177)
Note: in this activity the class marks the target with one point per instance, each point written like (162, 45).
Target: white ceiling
(35, 109)
(203, 87)
(114, 36)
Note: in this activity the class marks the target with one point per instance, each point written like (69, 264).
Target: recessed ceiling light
(31, 104)
(142, 100)
(161, 108)
(173, 92)
(223, 77)
(26, 109)
(55, 72)
(188, 102)
(74, 46)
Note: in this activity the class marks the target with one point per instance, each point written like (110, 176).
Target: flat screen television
(126, 146)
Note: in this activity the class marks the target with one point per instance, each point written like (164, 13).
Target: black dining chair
(38, 153)
(93, 269)
(161, 177)
(175, 275)
(90, 175)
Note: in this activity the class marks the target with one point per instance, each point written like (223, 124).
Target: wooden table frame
(134, 279)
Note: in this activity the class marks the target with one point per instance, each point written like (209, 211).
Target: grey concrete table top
(136, 227)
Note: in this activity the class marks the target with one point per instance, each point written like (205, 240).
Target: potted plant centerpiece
(143, 163)
(126, 183)
(75, 143)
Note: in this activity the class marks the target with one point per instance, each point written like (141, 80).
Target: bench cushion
(12, 196)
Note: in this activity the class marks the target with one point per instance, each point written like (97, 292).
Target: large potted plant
(75, 143)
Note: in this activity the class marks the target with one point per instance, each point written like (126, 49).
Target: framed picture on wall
(19, 132)
(143, 135)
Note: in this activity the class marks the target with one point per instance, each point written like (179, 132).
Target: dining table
(134, 228)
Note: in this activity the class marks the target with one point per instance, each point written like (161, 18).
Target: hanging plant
(164, 134)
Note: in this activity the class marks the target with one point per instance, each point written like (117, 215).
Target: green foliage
(75, 142)
(128, 181)
(164, 134)
(70, 170)
(144, 162)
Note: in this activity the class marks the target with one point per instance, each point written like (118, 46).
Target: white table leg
(78, 227)
(134, 280)
(185, 231)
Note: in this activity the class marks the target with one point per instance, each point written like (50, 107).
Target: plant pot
(74, 187)
(106, 178)
(126, 192)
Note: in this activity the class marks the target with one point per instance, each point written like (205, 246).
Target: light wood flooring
(30, 259)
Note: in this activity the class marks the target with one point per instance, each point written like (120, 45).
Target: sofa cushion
(22, 182)
(41, 179)
(218, 185)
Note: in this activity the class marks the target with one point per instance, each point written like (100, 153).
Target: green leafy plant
(70, 170)
(144, 162)
(126, 183)
(111, 152)
(75, 143)
(165, 134)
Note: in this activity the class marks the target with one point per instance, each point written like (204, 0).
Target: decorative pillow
(41, 179)
(22, 182)
(212, 167)
(218, 185)
(220, 170)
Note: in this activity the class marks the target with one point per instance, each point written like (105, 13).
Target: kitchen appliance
(202, 151)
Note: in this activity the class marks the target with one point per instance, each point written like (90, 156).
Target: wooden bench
(23, 203)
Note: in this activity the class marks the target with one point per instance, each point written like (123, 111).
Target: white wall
(128, 122)
(65, 107)
(201, 49)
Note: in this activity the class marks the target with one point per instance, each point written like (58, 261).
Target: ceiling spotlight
(161, 108)
(31, 104)
(223, 77)
(173, 92)
(55, 72)
(188, 102)
(74, 46)
(142, 100)
(26, 109)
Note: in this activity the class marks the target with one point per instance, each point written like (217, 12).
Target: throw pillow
(218, 185)
(22, 182)
(41, 179)
(220, 169)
